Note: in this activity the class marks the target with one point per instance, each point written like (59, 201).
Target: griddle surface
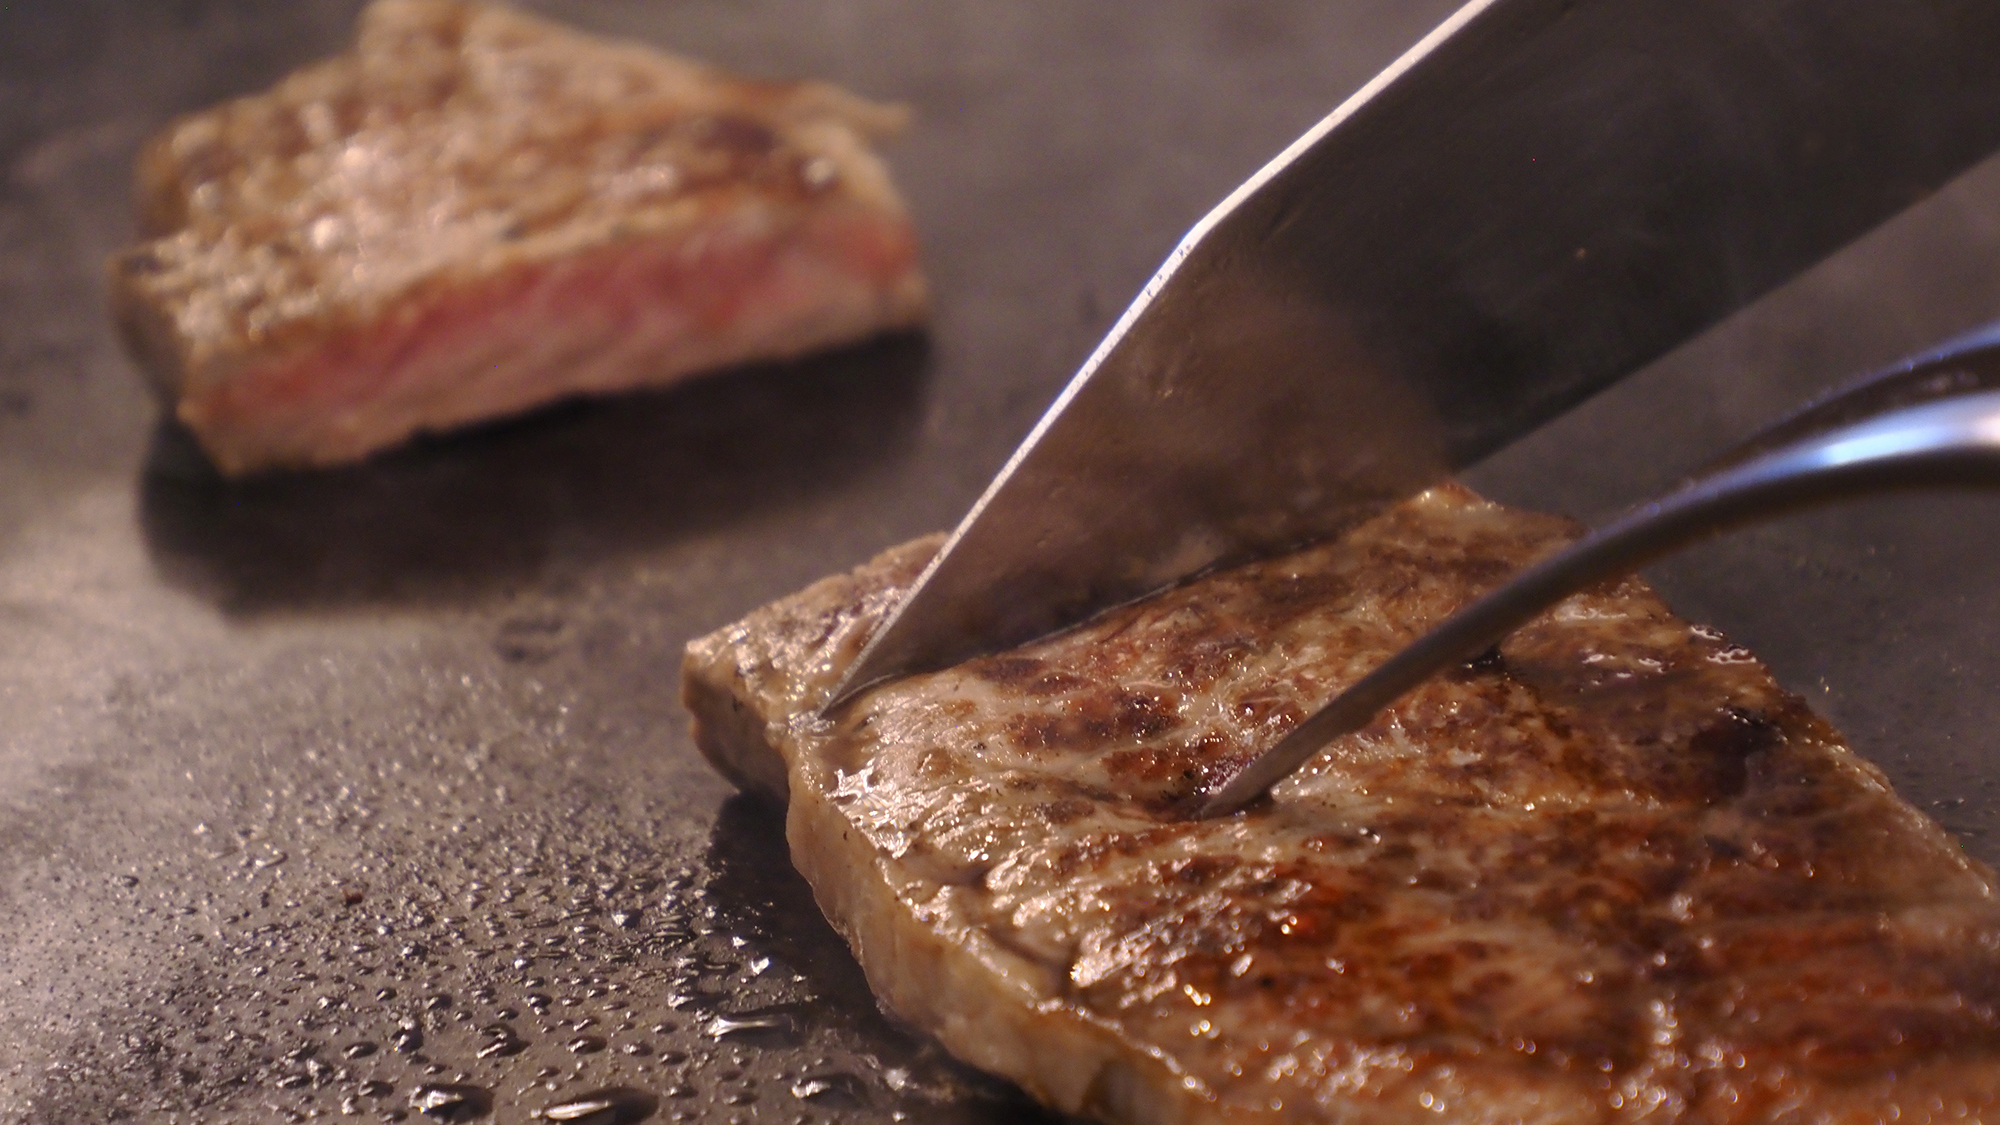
(322, 789)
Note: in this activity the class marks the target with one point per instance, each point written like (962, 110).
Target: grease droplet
(723, 1027)
(831, 1088)
(451, 1103)
(501, 1042)
(614, 1105)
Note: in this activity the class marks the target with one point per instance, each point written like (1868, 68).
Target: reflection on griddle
(463, 516)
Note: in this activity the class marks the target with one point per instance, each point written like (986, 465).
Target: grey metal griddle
(309, 784)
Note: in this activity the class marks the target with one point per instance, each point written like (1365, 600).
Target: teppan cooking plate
(367, 792)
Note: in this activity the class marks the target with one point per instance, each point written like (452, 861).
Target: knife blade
(1534, 201)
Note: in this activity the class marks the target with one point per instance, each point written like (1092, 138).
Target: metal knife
(1534, 201)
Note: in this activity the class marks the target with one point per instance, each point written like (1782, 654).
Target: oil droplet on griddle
(615, 1105)
(724, 1027)
(501, 1042)
(451, 1102)
(831, 1088)
(408, 1037)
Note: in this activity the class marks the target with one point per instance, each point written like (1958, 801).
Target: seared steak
(1610, 872)
(474, 212)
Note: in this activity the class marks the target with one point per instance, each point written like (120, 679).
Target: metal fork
(1931, 421)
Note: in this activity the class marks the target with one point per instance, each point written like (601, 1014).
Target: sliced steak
(474, 212)
(1612, 873)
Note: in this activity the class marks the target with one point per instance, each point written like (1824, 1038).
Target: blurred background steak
(474, 212)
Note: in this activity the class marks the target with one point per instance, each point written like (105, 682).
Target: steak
(1609, 872)
(474, 212)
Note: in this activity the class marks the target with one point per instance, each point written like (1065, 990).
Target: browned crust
(1616, 875)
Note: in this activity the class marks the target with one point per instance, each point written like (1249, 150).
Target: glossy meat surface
(474, 212)
(1611, 873)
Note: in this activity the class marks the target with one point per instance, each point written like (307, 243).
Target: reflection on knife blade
(1534, 201)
